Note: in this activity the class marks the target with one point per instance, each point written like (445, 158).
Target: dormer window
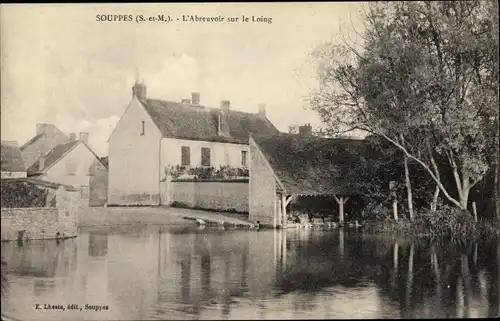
(143, 128)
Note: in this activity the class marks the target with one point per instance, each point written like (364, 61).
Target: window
(84, 192)
(143, 127)
(185, 156)
(205, 156)
(70, 167)
(244, 158)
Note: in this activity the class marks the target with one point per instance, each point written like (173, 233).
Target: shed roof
(186, 121)
(311, 165)
(11, 158)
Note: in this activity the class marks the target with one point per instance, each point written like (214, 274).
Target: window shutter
(205, 156)
(185, 156)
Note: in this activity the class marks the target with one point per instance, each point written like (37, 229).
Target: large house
(54, 157)
(153, 135)
(11, 163)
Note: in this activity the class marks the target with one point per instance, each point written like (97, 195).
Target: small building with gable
(54, 157)
(287, 166)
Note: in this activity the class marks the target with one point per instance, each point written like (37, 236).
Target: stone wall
(37, 223)
(231, 196)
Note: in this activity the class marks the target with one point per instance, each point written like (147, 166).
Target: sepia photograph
(250, 161)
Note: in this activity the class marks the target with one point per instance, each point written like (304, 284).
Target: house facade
(11, 163)
(73, 163)
(155, 135)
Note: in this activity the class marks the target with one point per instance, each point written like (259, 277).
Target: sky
(60, 65)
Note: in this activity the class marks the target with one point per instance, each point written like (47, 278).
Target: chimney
(84, 137)
(262, 110)
(195, 98)
(186, 101)
(41, 128)
(224, 105)
(72, 137)
(305, 130)
(139, 90)
(41, 163)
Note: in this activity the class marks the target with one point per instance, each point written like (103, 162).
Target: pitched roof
(58, 152)
(32, 140)
(52, 157)
(11, 157)
(311, 165)
(187, 121)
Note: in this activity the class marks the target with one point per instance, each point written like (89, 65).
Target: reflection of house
(287, 165)
(11, 163)
(69, 161)
(154, 134)
(98, 244)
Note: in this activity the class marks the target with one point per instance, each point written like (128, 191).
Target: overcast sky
(60, 65)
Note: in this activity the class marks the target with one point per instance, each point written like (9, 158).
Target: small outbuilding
(285, 166)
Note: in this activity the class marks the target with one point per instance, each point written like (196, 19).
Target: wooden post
(474, 211)
(341, 201)
(275, 211)
(341, 210)
(284, 203)
(392, 188)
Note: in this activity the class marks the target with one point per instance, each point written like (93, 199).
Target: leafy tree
(426, 80)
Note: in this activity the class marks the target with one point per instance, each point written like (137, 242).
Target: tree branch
(438, 181)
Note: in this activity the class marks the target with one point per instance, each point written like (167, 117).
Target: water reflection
(151, 272)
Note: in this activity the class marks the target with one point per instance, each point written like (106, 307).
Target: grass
(447, 222)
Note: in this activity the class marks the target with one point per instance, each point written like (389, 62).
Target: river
(153, 272)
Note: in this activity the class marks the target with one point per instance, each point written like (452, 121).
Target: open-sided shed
(287, 165)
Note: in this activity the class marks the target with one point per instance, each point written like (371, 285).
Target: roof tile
(186, 121)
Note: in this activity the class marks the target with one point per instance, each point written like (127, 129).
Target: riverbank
(100, 216)
(447, 222)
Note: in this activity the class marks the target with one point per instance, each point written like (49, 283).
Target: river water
(151, 272)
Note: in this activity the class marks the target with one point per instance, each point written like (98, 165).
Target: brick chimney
(262, 110)
(72, 137)
(84, 137)
(195, 98)
(139, 90)
(40, 128)
(224, 105)
(305, 130)
(223, 118)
